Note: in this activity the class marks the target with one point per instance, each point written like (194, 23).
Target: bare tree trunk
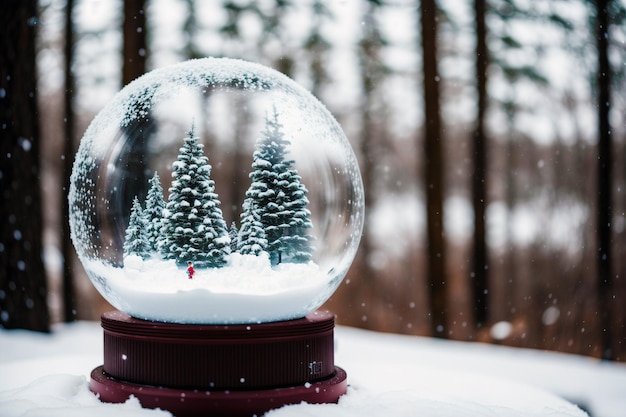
(605, 179)
(238, 176)
(135, 51)
(370, 74)
(433, 175)
(191, 28)
(366, 294)
(480, 268)
(318, 46)
(69, 297)
(23, 286)
(138, 132)
(511, 275)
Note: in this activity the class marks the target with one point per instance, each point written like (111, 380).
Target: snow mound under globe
(215, 191)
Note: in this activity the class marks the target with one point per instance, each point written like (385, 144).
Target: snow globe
(216, 204)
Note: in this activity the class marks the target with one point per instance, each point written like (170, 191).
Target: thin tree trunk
(605, 180)
(369, 76)
(23, 286)
(135, 51)
(511, 271)
(317, 47)
(191, 29)
(433, 175)
(480, 268)
(138, 132)
(69, 297)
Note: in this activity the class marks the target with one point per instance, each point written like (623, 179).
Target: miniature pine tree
(194, 228)
(296, 241)
(251, 239)
(279, 197)
(233, 232)
(136, 242)
(155, 205)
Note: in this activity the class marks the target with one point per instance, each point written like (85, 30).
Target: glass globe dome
(215, 191)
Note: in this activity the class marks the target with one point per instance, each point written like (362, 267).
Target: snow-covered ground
(388, 375)
(247, 290)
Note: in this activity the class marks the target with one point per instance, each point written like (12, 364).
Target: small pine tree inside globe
(136, 242)
(296, 241)
(233, 233)
(251, 239)
(194, 228)
(155, 205)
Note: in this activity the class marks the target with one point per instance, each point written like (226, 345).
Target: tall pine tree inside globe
(155, 204)
(194, 228)
(136, 242)
(278, 198)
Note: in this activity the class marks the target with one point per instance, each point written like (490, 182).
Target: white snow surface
(247, 290)
(388, 375)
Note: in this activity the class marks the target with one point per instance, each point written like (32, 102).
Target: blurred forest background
(491, 136)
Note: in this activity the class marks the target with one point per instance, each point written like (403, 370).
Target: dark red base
(188, 403)
(218, 370)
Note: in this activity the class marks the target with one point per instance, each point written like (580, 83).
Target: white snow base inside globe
(247, 290)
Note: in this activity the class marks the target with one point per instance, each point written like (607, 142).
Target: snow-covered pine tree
(194, 228)
(155, 204)
(251, 239)
(279, 197)
(233, 232)
(296, 240)
(136, 242)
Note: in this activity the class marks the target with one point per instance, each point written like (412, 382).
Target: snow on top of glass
(215, 191)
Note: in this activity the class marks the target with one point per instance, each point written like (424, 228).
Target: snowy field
(388, 375)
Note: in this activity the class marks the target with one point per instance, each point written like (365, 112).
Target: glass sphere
(215, 191)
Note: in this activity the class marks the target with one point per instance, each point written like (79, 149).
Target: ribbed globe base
(229, 403)
(221, 370)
